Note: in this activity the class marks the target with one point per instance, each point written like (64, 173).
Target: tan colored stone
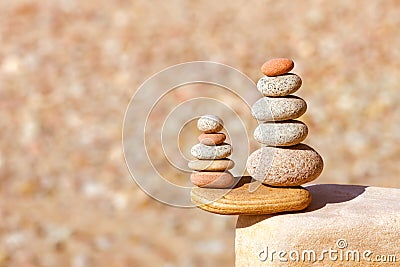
(239, 200)
(211, 165)
(285, 166)
(212, 139)
(277, 66)
(364, 218)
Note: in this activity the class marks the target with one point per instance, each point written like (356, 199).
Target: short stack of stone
(282, 160)
(212, 165)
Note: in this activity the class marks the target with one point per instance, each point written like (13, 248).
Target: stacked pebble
(282, 160)
(212, 165)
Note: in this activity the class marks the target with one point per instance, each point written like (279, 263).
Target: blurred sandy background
(67, 72)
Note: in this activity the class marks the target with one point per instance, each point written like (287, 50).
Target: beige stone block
(345, 225)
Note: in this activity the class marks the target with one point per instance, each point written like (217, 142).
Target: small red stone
(212, 139)
(277, 66)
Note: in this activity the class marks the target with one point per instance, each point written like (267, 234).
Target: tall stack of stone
(212, 165)
(282, 160)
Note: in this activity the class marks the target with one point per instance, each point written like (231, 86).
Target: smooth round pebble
(281, 85)
(278, 108)
(212, 139)
(201, 151)
(289, 166)
(210, 124)
(212, 179)
(283, 133)
(277, 66)
(211, 165)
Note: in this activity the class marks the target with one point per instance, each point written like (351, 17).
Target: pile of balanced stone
(282, 164)
(283, 160)
(212, 165)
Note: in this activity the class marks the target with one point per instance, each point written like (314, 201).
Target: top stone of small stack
(277, 66)
(210, 124)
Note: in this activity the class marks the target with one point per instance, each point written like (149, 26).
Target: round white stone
(210, 124)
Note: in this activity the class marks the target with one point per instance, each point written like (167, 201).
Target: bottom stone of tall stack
(345, 225)
(249, 197)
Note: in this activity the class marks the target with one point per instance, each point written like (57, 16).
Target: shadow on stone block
(322, 194)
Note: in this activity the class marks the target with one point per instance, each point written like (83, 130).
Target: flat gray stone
(283, 133)
(279, 108)
(281, 85)
(360, 226)
(201, 151)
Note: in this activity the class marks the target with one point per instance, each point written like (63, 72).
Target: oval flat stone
(212, 139)
(201, 151)
(281, 85)
(285, 166)
(212, 179)
(277, 66)
(242, 201)
(211, 165)
(210, 124)
(283, 133)
(278, 108)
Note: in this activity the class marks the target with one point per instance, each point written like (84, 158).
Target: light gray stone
(283, 133)
(281, 85)
(201, 151)
(279, 108)
(350, 221)
(210, 124)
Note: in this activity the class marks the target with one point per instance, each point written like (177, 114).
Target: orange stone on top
(277, 66)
